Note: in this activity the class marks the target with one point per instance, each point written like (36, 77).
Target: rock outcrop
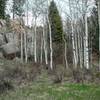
(10, 48)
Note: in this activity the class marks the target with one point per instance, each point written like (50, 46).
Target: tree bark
(50, 36)
(35, 46)
(86, 56)
(73, 42)
(25, 46)
(51, 49)
(45, 46)
(21, 47)
(41, 49)
(32, 45)
(66, 62)
(99, 30)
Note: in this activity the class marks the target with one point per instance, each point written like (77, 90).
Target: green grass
(42, 91)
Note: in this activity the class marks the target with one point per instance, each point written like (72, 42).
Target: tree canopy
(2, 8)
(18, 7)
(56, 23)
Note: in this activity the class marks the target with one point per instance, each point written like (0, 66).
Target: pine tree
(56, 23)
(2, 8)
(95, 28)
(18, 7)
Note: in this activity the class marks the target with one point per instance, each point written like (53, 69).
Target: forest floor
(42, 88)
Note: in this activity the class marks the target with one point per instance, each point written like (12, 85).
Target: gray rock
(10, 48)
(17, 59)
(11, 37)
(1, 55)
(2, 42)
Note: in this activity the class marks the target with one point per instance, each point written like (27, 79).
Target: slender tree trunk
(50, 36)
(51, 49)
(78, 39)
(66, 62)
(82, 37)
(27, 12)
(25, 47)
(21, 47)
(45, 46)
(91, 52)
(76, 45)
(14, 10)
(13, 14)
(79, 49)
(25, 37)
(99, 30)
(73, 42)
(35, 46)
(32, 42)
(21, 34)
(86, 57)
(41, 48)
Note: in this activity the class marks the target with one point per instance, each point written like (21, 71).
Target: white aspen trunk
(78, 39)
(99, 30)
(41, 48)
(66, 62)
(75, 32)
(80, 48)
(81, 51)
(21, 41)
(35, 46)
(73, 42)
(82, 38)
(85, 36)
(25, 36)
(76, 46)
(46, 53)
(91, 53)
(25, 47)
(45, 48)
(21, 47)
(79, 43)
(32, 43)
(86, 55)
(27, 11)
(50, 36)
(51, 49)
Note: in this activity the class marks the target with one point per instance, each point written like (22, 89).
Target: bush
(5, 85)
(97, 75)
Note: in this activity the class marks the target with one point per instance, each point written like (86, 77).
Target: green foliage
(18, 7)
(17, 88)
(7, 18)
(56, 23)
(5, 85)
(96, 37)
(94, 30)
(42, 91)
(97, 75)
(2, 8)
